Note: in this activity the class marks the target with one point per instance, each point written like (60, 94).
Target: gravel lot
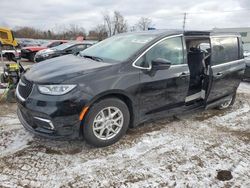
(185, 151)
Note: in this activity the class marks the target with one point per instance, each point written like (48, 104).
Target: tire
(98, 125)
(228, 103)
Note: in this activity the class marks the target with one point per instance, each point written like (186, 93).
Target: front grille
(24, 87)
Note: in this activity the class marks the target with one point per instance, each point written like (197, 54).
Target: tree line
(113, 24)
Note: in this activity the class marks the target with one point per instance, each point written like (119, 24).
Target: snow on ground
(244, 88)
(185, 151)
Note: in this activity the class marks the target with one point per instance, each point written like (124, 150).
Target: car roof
(164, 32)
(156, 32)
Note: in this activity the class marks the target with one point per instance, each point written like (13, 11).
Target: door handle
(183, 74)
(219, 74)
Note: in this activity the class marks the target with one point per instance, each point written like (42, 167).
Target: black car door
(227, 67)
(163, 90)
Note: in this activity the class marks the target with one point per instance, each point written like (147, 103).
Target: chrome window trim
(224, 36)
(149, 48)
(227, 63)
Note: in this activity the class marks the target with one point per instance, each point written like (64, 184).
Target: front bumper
(52, 116)
(33, 122)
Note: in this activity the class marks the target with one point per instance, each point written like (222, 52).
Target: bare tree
(116, 24)
(108, 23)
(120, 24)
(98, 33)
(75, 31)
(144, 23)
(71, 32)
(30, 32)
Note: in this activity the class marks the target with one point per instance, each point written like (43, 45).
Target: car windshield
(45, 44)
(118, 48)
(63, 46)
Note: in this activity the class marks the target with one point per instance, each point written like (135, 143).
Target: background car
(23, 42)
(64, 49)
(29, 52)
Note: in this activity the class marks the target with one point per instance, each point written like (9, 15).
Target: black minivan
(128, 79)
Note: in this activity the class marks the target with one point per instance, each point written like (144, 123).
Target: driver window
(170, 49)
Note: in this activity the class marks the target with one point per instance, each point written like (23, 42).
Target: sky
(165, 14)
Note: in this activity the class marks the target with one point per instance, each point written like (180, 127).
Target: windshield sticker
(141, 41)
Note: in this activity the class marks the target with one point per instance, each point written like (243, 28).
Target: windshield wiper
(93, 57)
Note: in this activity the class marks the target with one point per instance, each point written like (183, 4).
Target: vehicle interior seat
(196, 67)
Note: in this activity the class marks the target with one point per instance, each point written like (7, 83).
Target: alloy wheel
(108, 123)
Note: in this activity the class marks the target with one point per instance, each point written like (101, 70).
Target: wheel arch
(128, 100)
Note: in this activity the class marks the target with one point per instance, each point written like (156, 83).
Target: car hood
(46, 51)
(60, 69)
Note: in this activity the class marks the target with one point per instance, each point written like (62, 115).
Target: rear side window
(224, 49)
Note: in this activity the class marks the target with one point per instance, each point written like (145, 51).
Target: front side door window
(170, 49)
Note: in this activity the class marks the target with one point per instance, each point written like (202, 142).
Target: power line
(206, 12)
(222, 11)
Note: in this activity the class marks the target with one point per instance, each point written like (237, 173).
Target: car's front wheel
(106, 122)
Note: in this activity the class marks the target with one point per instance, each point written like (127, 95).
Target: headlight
(55, 89)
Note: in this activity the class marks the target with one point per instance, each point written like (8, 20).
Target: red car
(29, 52)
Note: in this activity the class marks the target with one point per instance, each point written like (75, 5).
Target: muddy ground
(203, 149)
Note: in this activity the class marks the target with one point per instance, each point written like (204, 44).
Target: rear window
(224, 49)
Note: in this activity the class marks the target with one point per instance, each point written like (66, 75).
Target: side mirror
(160, 64)
(76, 53)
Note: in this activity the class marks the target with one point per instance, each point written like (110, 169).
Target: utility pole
(184, 21)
